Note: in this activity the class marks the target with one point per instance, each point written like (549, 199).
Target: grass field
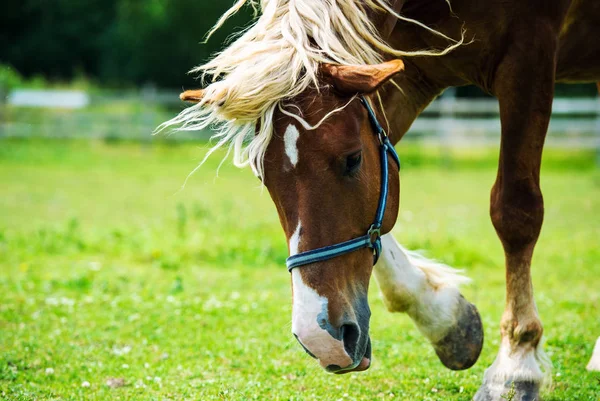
(116, 285)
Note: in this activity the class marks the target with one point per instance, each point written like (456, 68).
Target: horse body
(502, 35)
(518, 50)
(320, 161)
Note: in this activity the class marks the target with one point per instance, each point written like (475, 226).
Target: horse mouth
(363, 364)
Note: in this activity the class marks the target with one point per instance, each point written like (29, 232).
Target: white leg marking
(521, 364)
(594, 364)
(289, 139)
(307, 308)
(426, 290)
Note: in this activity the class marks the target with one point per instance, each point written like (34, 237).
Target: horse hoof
(511, 390)
(460, 348)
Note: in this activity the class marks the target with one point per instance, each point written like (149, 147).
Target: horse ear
(352, 79)
(194, 96)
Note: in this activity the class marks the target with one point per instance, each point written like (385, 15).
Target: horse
(314, 95)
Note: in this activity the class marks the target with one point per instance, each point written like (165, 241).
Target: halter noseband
(372, 239)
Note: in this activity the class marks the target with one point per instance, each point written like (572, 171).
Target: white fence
(452, 121)
(64, 99)
(449, 121)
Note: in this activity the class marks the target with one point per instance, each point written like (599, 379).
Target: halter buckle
(374, 233)
(382, 136)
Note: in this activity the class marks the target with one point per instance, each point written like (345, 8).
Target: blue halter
(372, 239)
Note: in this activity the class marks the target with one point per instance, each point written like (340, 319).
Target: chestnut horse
(293, 96)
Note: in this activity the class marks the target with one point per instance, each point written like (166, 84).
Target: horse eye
(353, 162)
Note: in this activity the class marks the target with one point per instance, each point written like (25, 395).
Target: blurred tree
(119, 42)
(56, 38)
(159, 41)
(126, 42)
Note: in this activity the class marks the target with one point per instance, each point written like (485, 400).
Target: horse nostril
(350, 336)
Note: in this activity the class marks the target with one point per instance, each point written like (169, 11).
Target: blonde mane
(276, 59)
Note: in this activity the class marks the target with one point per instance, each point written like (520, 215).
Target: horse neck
(405, 100)
(424, 78)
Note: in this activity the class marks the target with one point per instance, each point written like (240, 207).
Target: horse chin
(362, 366)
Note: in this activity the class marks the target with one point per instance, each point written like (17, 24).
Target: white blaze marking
(307, 305)
(290, 138)
(295, 240)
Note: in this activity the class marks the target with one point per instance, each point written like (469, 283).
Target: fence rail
(448, 121)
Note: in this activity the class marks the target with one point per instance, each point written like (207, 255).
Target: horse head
(323, 170)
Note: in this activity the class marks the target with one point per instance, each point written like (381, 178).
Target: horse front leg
(524, 85)
(428, 292)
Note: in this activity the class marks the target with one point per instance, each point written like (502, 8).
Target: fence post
(3, 120)
(446, 123)
(149, 97)
(597, 144)
(598, 127)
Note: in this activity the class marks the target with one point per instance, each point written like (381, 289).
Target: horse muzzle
(341, 348)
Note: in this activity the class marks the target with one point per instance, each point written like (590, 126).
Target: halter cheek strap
(372, 239)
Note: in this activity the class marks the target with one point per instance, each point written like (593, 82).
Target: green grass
(109, 271)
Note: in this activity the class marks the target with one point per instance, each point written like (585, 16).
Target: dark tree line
(125, 42)
(116, 42)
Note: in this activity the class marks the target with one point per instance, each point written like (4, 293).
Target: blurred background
(115, 282)
(118, 65)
